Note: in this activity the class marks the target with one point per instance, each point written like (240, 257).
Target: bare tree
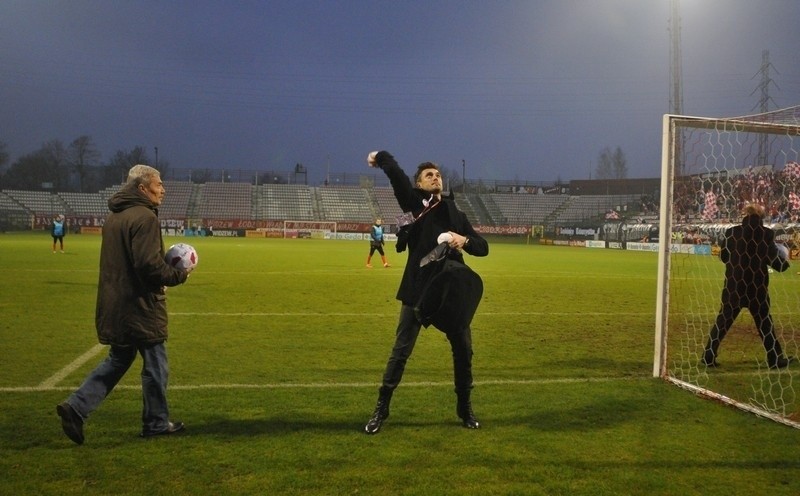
(611, 165)
(452, 179)
(620, 164)
(122, 161)
(83, 157)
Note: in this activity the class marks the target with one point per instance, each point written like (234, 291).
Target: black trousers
(759, 309)
(406, 337)
(375, 247)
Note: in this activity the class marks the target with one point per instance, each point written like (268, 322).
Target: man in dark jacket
(131, 313)
(747, 251)
(430, 216)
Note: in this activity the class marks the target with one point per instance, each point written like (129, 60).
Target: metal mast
(675, 69)
(676, 78)
(763, 102)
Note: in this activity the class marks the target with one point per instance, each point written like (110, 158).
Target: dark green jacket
(131, 300)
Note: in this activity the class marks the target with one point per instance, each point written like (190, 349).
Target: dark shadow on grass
(606, 365)
(71, 283)
(278, 426)
(692, 463)
(602, 413)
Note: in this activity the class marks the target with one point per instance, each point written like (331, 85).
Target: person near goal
(748, 251)
(427, 216)
(131, 312)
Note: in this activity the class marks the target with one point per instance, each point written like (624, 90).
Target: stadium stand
(284, 202)
(177, 199)
(386, 204)
(8, 204)
(346, 203)
(525, 209)
(38, 202)
(578, 208)
(85, 203)
(225, 201)
(109, 191)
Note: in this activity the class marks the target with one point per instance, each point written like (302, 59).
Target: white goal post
(308, 229)
(711, 168)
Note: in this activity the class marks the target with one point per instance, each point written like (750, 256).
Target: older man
(131, 313)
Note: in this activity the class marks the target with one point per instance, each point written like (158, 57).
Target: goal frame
(671, 149)
(309, 229)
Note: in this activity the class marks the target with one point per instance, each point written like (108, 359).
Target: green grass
(276, 352)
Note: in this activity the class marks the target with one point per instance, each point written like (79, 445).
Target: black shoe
(380, 414)
(468, 419)
(375, 423)
(471, 422)
(712, 364)
(71, 422)
(782, 363)
(171, 429)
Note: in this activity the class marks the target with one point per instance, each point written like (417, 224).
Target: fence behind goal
(711, 169)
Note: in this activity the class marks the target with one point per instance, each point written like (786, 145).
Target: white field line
(51, 383)
(342, 385)
(362, 314)
(54, 379)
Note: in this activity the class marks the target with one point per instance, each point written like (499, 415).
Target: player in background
(58, 229)
(376, 243)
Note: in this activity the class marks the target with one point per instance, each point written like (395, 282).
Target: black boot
(381, 412)
(464, 411)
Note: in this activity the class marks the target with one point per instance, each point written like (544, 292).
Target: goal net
(711, 169)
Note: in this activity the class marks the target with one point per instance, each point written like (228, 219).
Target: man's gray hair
(142, 174)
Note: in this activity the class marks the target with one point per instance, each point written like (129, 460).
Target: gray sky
(528, 90)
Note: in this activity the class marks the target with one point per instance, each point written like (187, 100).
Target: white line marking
(342, 385)
(49, 384)
(362, 314)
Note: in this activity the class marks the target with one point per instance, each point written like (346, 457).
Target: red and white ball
(182, 256)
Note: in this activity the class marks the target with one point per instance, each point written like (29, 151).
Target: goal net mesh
(711, 169)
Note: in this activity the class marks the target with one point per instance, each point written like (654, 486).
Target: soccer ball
(182, 256)
(445, 237)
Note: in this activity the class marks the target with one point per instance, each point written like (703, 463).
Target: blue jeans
(101, 381)
(406, 337)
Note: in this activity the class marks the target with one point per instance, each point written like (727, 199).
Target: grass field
(276, 352)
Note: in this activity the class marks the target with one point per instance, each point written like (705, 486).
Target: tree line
(76, 167)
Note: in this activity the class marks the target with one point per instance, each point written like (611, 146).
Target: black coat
(747, 251)
(423, 233)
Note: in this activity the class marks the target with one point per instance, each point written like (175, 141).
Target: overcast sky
(528, 90)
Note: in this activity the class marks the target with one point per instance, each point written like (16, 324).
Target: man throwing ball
(427, 216)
